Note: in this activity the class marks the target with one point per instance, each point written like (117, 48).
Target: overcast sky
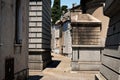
(69, 2)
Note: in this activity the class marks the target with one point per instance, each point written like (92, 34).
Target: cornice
(112, 7)
(94, 4)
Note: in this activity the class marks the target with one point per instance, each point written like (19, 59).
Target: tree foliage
(56, 11)
(64, 8)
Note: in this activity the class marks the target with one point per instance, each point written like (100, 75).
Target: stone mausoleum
(39, 34)
(86, 42)
(88, 35)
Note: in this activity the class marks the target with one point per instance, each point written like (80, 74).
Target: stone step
(99, 77)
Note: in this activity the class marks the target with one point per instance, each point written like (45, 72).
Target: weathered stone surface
(111, 54)
(109, 74)
(75, 66)
(89, 66)
(115, 53)
(85, 66)
(39, 60)
(86, 37)
(36, 65)
(75, 55)
(62, 71)
(39, 33)
(89, 55)
(11, 52)
(99, 76)
(112, 63)
(86, 59)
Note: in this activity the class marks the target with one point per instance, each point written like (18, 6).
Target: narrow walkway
(60, 70)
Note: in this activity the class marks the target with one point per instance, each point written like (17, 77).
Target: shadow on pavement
(54, 64)
(35, 77)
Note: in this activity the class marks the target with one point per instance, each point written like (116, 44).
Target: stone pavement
(60, 69)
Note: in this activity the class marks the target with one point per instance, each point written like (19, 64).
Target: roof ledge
(111, 7)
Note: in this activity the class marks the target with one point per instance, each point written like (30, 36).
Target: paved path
(60, 70)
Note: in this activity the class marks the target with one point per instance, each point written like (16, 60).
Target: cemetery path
(60, 69)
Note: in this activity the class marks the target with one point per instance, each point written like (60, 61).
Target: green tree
(56, 11)
(64, 8)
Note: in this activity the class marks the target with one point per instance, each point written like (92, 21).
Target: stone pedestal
(39, 60)
(86, 59)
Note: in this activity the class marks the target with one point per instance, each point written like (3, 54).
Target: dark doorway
(9, 69)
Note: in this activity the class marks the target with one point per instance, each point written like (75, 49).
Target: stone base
(36, 66)
(39, 60)
(22, 75)
(86, 59)
(85, 66)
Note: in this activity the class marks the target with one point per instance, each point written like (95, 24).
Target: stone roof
(65, 17)
(76, 8)
(83, 18)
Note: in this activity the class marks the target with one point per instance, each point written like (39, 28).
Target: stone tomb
(86, 43)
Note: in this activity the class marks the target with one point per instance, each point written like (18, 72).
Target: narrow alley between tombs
(49, 40)
(60, 69)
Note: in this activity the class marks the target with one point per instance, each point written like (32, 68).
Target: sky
(69, 2)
